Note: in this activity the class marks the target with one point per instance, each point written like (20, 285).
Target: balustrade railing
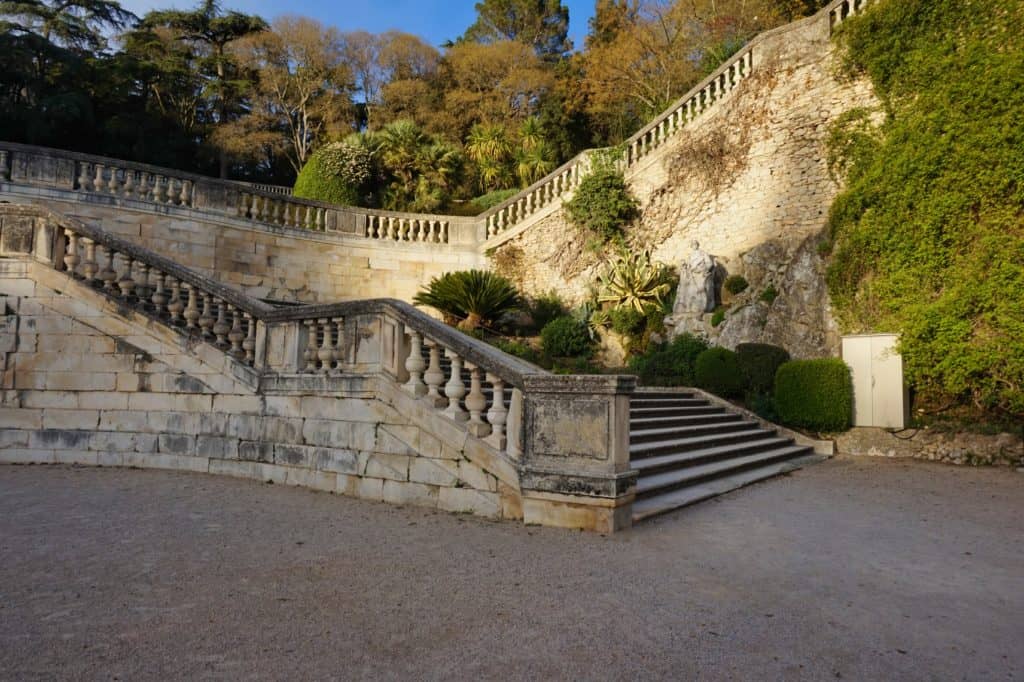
(271, 205)
(254, 203)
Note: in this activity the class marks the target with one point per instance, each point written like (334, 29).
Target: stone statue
(696, 293)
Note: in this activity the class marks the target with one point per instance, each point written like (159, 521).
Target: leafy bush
(545, 308)
(473, 296)
(669, 364)
(627, 321)
(718, 317)
(336, 173)
(735, 284)
(516, 348)
(493, 198)
(929, 235)
(769, 294)
(632, 280)
(717, 370)
(565, 337)
(759, 362)
(602, 204)
(815, 394)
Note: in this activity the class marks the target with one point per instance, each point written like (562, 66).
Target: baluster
(497, 414)
(158, 189)
(107, 274)
(159, 297)
(514, 437)
(128, 189)
(191, 313)
(415, 365)
(391, 227)
(125, 283)
(339, 345)
(242, 208)
(71, 255)
(4, 173)
(434, 376)
(142, 190)
(249, 344)
(455, 389)
(206, 318)
(422, 232)
(186, 193)
(476, 401)
(84, 181)
(321, 220)
(326, 352)
(491, 226)
(175, 306)
(236, 334)
(142, 285)
(172, 194)
(221, 326)
(89, 265)
(98, 184)
(112, 184)
(444, 232)
(310, 354)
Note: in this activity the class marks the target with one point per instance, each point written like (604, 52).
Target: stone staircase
(687, 450)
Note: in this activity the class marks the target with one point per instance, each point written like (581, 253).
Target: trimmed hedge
(315, 181)
(815, 394)
(717, 370)
(759, 362)
(565, 337)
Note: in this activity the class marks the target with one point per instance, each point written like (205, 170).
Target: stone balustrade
(566, 435)
(101, 178)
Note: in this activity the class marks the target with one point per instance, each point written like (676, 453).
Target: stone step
(666, 402)
(746, 444)
(644, 423)
(640, 412)
(685, 441)
(660, 483)
(657, 431)
(659, 504)
(724, 444)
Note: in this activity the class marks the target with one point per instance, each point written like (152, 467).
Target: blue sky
(433, 20)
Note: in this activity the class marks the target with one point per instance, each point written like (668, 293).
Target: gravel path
(855, 568)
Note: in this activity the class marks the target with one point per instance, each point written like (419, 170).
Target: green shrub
(564, 337)
(928, 237)
(602, 205)
(718, 371)
(759, 362)
(545, 308)
(669, 364)
(814, 394)
(718, 317)
(493, 198)
(770, 294)
(336, 173)
(735, 284)
(470, 297)
(627, 321)
(516, 348)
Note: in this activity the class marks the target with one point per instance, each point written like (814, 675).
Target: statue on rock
(696, 293)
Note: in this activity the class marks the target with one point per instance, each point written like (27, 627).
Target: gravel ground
(855, 568)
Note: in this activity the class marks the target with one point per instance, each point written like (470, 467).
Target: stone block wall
(264, 261)
(87, 383)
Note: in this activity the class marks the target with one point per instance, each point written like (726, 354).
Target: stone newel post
(575, 470)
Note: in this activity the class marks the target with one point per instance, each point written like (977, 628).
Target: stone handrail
(259, 204)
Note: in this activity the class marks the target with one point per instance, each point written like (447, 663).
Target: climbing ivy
(928, 237)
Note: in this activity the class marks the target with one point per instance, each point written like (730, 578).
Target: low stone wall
(261, 260)
(82, 385)
(961, 447)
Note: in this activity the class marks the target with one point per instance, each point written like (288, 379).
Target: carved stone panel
(569, 428)
(16, 235)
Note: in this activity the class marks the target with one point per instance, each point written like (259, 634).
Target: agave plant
(633, 280)
(469, 297)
